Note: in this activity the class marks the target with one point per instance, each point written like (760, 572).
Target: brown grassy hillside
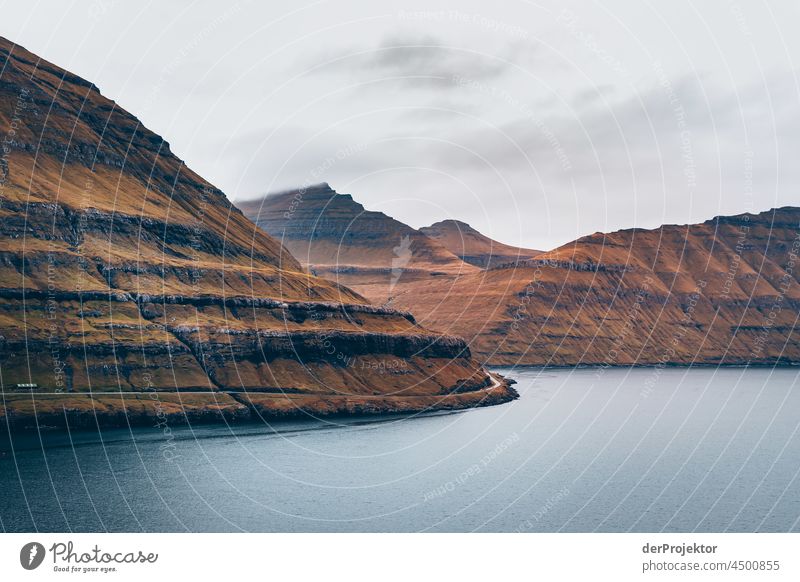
(126, 274)
(724, 291)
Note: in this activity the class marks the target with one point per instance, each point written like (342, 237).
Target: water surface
(581, 450)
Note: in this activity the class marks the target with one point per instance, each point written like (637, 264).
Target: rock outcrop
(132, 291)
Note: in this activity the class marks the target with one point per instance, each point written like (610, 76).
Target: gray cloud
(421, 61)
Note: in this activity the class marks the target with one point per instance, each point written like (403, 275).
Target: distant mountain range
(132, 291)
(720, 292)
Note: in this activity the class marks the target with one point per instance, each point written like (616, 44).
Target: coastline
(32, 412)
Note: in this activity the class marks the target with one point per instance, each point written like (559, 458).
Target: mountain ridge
(131, 287)
(570, 305)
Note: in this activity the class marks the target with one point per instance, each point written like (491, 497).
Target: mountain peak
(475, 248)
(450, 223)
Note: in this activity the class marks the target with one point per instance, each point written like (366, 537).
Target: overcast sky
(536, 122)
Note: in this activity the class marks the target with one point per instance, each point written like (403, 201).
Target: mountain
(473, 247)
(721, 292)
(337, 238)
(132, 291)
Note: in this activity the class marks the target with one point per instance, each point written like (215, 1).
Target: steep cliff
(126, 275)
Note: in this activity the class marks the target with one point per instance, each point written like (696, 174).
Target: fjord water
(581, 450)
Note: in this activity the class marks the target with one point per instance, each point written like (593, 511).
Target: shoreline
(27, 413)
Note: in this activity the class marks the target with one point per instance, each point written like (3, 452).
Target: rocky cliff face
(721, 292)
(125, 274)
(337, 238)
(473, 247)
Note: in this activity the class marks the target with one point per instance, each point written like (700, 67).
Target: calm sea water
(581, 450)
